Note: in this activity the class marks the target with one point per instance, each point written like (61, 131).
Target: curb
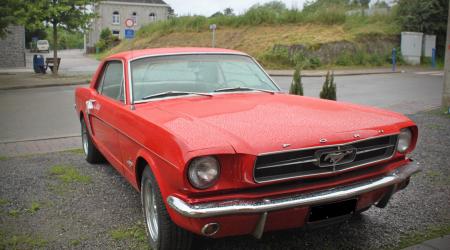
(44, 85)
(339, 74)
(40, 139)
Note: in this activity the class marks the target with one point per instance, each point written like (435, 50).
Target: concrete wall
(12, 48)
(105, 11)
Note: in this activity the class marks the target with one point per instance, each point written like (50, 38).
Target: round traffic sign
(129, 22)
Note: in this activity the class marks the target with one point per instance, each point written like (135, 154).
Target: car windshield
(203, 73)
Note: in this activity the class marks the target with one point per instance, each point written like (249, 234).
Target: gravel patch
(94, 207)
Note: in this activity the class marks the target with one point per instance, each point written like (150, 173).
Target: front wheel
(90, 151)
(161, 231)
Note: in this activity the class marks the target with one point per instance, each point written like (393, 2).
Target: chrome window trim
(325, 146)
(194, 95)
(130, 85)
(123, 79)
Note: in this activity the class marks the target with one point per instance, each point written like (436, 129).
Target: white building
(113, 14)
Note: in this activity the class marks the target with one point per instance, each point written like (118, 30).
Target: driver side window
(111, 84)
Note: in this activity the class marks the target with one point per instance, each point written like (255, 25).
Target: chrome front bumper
(229, 207)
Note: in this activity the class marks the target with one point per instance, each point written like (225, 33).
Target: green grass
(258, 15)
(418, 237)
(3, 158)
(75, 242)
(439, 112)
(136, 234)
(3, 202)
(34, 207)
(14, 213)
(68, 174)
(21, 241)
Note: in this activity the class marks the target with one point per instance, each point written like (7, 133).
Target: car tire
(90, 150)
(161, 231)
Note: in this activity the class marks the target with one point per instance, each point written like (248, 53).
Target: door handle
(90, 104)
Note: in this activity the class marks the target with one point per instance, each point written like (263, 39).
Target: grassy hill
(281, 38)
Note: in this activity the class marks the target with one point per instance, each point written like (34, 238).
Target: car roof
(133, 54)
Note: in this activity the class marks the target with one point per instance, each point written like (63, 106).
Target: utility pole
(446, 91)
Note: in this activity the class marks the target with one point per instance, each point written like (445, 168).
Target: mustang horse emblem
(336, 157)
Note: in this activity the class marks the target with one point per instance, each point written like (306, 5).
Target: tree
(217, 14)
(228, 12)
(11, 12)
(381, 4)
(296, 86)
(71, 15)
(276, 5)
(427, 16)
(329, 88)
(171, 12)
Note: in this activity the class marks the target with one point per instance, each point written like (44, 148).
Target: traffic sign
(129, 33)
(129, 22)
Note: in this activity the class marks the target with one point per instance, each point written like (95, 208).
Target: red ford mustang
(216, 149)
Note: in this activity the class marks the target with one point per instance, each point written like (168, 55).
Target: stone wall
(12, 48)
(329, 52)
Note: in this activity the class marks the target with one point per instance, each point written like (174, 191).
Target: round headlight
(404, 140)
(203, 172)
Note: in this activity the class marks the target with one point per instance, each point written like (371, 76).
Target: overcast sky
(209, 7)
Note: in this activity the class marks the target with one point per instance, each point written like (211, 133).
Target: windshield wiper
(243, 89)
(174, 93)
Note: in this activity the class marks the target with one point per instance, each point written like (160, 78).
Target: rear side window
(111, 84)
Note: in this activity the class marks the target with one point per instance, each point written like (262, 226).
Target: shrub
(106, 40)
(296, 86)
(329, 88)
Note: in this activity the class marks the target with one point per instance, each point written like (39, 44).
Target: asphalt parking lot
(58, 201)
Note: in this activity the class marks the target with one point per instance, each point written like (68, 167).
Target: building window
(116, 33)
(152, 17)
(116, 18)
(134, 17)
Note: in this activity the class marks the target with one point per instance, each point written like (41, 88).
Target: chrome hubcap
(84, 139)
(150, 210)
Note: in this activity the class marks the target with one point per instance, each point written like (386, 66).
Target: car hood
(255, 123)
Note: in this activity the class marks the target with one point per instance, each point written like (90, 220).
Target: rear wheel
(162, 232)
(90, 151)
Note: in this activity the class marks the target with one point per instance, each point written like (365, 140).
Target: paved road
(48, 112)
(37, 113)
(406, 93)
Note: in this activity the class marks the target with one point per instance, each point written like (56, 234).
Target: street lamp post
(213, 28)
(446, 91)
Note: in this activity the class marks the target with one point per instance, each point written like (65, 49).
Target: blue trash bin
(38, 64)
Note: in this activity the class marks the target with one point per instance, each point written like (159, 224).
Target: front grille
(317, 161)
